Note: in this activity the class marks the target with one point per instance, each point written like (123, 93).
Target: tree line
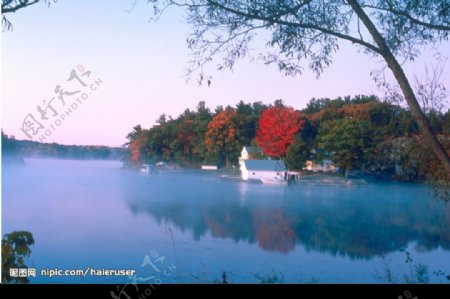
(14, 150)
(356, 133)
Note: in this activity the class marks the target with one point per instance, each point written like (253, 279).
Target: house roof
(252, 149)
(321, 151)
(265, 165)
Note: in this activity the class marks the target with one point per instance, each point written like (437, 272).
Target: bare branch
(6, 24)
(223, 43)
(430, 89)
(133, 5)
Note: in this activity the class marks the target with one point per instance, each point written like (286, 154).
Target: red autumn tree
(273, 231)
(277, 128)
(222, 137)
(136, 147)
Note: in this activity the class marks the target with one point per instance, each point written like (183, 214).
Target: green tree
(137, 130)
(202, 118)
(446, 123)
(249, 122)
(12, 151)
(9, 145)
(297, 154)
(349, 142)
(15, 248)
(250, 115)
(183, 144)
(309, 29)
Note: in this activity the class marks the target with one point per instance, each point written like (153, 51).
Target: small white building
(263, 169)
(249, 153)
(209, 167)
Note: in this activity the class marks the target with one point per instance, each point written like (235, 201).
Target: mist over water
(94, 214)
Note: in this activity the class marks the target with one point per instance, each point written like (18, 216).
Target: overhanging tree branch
(402, 13)
(14, 5)
(298, 25)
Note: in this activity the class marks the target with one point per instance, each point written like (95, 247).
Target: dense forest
(360, 133)
(14, 150)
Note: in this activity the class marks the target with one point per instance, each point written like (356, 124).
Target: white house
(263, 169)
(323, 166)
(250, 152)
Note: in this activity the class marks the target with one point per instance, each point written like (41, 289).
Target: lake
(186, 226)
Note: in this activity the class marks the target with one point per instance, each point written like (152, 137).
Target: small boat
(145, 168)
(273, 181)
(161, 164)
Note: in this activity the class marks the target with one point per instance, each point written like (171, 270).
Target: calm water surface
(188, 226)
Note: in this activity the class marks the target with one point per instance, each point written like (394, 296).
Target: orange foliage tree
(223, 136)
(357, 111)
(277, 128)
(136, 147)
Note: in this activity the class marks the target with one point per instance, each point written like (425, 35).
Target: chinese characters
(51, 113)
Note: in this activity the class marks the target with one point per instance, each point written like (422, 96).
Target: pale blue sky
(142, 65)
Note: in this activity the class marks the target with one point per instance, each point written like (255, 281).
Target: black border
(380, 291)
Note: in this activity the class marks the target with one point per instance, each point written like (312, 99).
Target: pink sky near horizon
(141, 65)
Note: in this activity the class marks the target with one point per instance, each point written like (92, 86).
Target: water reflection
(359, 222)
(273, 231)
